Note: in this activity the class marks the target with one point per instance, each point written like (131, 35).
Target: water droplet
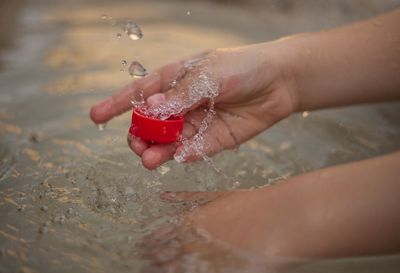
(172, 83)
(103, 16)
(124, 62)
(305, 114)
(101, 126)
(140, 101)
(137, 70)
(163, 169)
(133, 30)
(188, 12)
(44, 208)
(119, 35)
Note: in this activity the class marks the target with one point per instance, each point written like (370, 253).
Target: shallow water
(76, 199)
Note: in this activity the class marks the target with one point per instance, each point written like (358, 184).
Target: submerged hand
(249, 87)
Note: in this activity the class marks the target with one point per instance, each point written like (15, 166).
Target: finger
(217, 137)
(158, 81)
(137, 145)
(157, 154)
(193, 90)
(201, 197)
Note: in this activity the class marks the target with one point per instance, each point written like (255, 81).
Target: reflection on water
(73, 199)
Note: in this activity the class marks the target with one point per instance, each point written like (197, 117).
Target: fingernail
(156, 99)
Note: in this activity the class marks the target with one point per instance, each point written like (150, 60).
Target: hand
(321, 214)
(201, 236)
(251, 88)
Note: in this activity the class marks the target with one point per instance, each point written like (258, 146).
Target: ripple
(7, 161)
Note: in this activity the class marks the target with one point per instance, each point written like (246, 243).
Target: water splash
(140, 102)
(133, 30)
(137, 70)
(101, 126)
(203, 85)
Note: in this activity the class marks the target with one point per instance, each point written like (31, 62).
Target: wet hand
(248, 89)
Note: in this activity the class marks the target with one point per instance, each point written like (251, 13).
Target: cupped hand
(249, 88)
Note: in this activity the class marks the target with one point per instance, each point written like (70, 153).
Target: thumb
(190, 92)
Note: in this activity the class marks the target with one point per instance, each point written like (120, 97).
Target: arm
(343, 211)
(359, 63)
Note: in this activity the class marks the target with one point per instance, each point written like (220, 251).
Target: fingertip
(156, 99)
(150, 159)
(157, 155)
(137, 145)
(101, 112)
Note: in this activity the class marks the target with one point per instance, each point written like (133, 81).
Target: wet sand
(73, 199)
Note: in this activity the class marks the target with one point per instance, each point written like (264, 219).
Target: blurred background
(75, 199)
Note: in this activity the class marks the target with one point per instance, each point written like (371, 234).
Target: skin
(342, 211)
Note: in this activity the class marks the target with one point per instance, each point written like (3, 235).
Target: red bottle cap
(156, 130)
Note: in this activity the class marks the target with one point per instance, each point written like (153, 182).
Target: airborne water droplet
(101, 126)
(133, 30)
(124, 62)
(188, 12)
(137, 70)
(119, 35)
(305, 114)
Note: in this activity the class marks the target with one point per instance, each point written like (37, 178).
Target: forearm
(354, 64)
(341, 211)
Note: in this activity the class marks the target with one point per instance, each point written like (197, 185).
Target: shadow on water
(73, 199)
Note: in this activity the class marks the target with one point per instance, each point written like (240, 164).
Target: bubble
(137, 70)
(119, 35)
(133, 30)
(101, 126)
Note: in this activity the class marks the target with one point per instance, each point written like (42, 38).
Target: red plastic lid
(156, 130)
